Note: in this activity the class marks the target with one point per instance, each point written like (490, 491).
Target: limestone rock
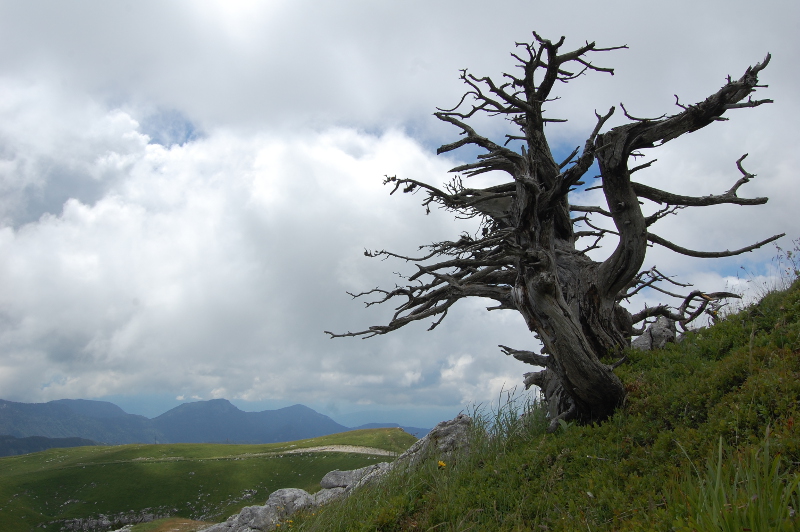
(443, 440)
(280, 505)
(343, 479)
(657, 335)
(324, 496)
(374, 473)
(106, 522)
(290, 500)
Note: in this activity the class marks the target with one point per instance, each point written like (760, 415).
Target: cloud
(55, 147)
(188, 188)
(369, 64)
(212, 267)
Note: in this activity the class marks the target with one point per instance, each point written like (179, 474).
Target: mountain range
(214, 421)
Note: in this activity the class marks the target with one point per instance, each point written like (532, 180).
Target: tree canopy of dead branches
(531, 253)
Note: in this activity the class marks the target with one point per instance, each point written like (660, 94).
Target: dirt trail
(341, 449)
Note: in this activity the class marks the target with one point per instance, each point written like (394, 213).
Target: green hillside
(11, 446)
(197, 481)
(707, 440)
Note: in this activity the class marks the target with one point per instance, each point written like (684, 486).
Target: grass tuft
(738, 491)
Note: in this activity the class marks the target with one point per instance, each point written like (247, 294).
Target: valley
(79, 487)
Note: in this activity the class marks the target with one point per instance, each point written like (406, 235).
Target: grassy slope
(634, 472)
(200, 481)
(11, 446)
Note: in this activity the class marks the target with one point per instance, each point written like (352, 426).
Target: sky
(187, 187)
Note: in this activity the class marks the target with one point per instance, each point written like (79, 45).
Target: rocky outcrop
(341, 479)
(442, 442)
(280, 505)
(105, 522)
(657, 335)
(285, 502)
(325, 496)
(375, 472)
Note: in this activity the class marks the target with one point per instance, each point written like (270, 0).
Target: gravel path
(342, 449)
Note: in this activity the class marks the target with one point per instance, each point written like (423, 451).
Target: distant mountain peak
(93, 409)
(298, 407)
(218, 420)
(211, 405)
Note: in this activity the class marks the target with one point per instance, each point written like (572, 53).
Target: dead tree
(526, 255)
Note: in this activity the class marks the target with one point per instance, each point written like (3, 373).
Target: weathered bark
(526, 257)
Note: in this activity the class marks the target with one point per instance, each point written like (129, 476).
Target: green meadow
(203, 482)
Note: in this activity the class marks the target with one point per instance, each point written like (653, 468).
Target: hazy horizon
(153, 407)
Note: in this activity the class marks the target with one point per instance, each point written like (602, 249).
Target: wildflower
(441, 464)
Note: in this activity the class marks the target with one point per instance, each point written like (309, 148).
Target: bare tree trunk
(580, 329)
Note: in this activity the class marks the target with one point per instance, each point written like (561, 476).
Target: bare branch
(641, 166)
(589, 208)
(655, 239)
(627, 115)
(749, 103)
(571, 176)
(651, 312)
(498, 157)
(529, 357)
(569, 158)
(660, 196)
(661, 213)
(701, 114)
(688, 311)
(536, 378)
(649, 279)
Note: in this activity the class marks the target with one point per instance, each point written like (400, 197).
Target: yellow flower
(441, 464)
